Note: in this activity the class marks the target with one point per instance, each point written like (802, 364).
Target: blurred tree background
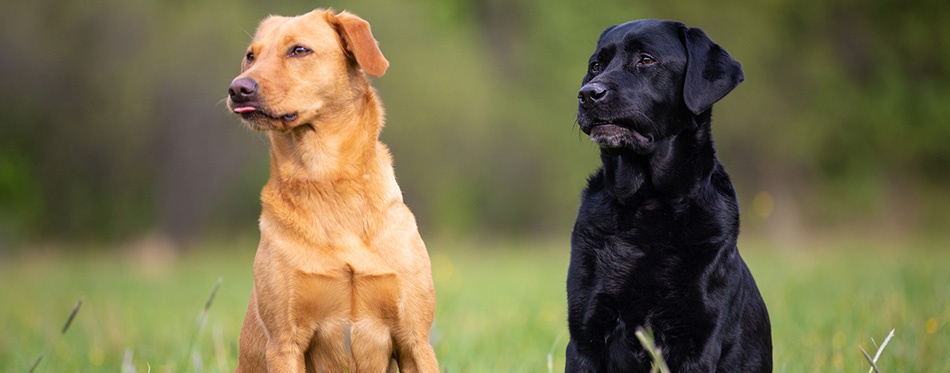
(113, 123)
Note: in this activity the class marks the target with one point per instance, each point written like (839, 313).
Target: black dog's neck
(678, 165)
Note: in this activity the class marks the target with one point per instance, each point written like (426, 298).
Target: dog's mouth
(616, 134)
(256, 116)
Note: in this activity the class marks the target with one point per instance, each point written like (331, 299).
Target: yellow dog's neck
(340, 151)
(333, 148)
(335, 173)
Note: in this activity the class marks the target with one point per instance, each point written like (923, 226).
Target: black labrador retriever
(654, 243)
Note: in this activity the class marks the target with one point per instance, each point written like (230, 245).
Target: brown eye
(298, 51)
(249, 56)
(647, 60)
(595, 67)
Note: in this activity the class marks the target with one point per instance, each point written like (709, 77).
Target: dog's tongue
(244, 109)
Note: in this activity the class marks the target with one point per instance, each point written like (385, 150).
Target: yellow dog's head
(305, 69)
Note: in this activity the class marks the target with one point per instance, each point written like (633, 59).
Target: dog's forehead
(651, 35)
(275, 30)
(269, 26)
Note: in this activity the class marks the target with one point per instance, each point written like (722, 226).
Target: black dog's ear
(710, 71)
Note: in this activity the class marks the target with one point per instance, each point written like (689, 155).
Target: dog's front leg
(253, 341)
(286, 341)
(284, 354)
(417, 357)
(577, 362)
(413, 351)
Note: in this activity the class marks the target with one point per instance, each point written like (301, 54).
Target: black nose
(591, 94)
(243, 90)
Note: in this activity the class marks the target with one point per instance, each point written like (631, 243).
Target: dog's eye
(249, 56)
(298, 51)
(647, 60)
(595, 66)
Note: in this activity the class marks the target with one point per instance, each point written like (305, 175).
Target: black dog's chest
(629, 261)
(641, 263)
(650, 225)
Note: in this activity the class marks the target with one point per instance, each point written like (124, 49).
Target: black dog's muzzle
(591, 94)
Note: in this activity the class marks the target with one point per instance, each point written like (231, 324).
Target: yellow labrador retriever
(342, 280)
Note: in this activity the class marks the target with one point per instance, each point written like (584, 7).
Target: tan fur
(342, 280)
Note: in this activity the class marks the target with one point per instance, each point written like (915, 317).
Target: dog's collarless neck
(678, 167)
(343, 147)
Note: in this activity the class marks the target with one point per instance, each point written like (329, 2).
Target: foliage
(114, 124)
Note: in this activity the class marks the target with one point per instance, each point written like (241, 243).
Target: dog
(654, 243)
(342, 278)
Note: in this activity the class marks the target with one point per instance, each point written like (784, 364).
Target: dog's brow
(289, 40)
(634, 43)
(651, 42)
(605, 54)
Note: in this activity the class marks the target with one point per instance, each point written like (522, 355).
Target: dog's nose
(243, 90)
(591, 94)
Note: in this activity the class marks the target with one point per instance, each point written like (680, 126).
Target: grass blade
(879, 351)
(72, 315)
(127, 366)
(551, 352)
(219, 350)
(870, 360)
(884, 344)
(36, 362)
(214, 291)
(69, 321)
(201, 320)
(646, 339)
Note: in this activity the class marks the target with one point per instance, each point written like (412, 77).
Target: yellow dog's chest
(345, 294)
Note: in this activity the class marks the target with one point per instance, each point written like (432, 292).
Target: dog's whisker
(651, 122)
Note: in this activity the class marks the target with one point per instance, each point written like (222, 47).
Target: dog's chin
(613, 137)
(262, 120)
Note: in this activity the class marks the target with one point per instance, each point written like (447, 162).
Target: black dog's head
(648, 79)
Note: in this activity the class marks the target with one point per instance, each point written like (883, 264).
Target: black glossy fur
(655, 239)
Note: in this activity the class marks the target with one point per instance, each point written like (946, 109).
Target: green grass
(501, 307)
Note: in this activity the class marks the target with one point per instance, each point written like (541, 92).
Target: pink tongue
(244, 109)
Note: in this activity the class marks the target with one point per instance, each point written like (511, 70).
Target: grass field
(501, 307)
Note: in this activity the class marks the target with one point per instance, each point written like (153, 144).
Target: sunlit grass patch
(501, 307)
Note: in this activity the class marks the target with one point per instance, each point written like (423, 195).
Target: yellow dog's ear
(360, 43)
